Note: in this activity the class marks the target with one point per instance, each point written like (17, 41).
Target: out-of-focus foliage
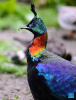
(12, 14)
(68, 2)
(51, 3)
(7, 7)
(51, 20)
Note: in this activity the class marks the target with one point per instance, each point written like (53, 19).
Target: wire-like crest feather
(33, 9)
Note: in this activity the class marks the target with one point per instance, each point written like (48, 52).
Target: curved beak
(24, 27)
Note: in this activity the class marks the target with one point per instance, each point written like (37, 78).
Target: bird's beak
(24, 27)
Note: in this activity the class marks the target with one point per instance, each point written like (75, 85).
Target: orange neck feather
(38, 45)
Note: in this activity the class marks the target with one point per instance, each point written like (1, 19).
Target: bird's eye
(34, 25)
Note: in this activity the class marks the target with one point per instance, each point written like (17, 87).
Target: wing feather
(60, 77)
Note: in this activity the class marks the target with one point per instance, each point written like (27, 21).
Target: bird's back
(53, 77)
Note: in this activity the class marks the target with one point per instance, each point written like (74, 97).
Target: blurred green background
(14, 13)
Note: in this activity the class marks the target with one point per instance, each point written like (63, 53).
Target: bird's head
(36, 25)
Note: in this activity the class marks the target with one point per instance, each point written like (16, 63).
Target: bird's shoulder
(53, 62)
(47, 57)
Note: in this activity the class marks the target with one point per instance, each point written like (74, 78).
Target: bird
(49, 76)
(67, 20)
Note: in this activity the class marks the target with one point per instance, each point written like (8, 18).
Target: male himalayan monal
(50, 77)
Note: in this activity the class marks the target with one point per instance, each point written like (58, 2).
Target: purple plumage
(59, 74)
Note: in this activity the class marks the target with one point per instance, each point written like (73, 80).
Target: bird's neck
(37, 46)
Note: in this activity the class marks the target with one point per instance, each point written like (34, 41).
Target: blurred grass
(18, 16)
(6, 64)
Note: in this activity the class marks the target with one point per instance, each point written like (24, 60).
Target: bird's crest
(33, 9)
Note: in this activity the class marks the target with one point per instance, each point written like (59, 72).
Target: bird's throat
(38, 45)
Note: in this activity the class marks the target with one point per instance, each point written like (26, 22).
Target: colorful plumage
(67, 19)
(50, 77)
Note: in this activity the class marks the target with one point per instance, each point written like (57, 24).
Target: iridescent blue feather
(60, 77)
